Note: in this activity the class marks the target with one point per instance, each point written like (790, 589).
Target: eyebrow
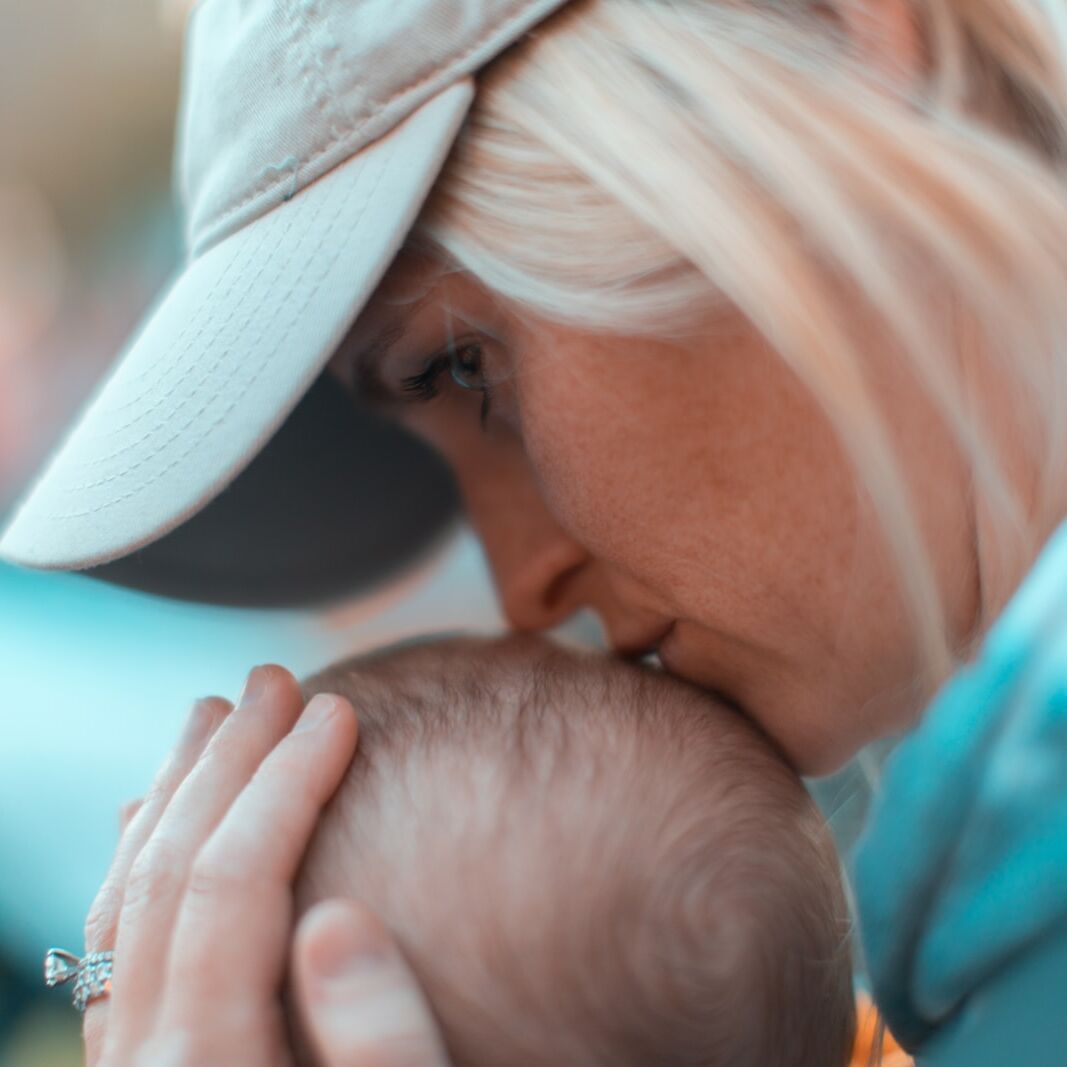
(368, 383)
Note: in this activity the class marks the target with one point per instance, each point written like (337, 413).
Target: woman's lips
(667, 651)
(674, 661)
(667, 646)
(642, 646)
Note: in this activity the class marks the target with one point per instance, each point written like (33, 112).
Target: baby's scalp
(586, 862)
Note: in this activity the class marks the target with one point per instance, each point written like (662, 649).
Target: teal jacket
(961, 875)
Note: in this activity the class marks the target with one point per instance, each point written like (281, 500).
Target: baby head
(586, 862)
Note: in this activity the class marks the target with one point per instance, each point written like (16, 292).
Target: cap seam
(301, 10)
(378, 109)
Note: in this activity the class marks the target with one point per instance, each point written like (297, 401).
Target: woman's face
(693, 495)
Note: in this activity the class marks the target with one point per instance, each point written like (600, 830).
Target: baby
(586, 863)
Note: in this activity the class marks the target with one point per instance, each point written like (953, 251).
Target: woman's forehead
(411, 277)
(420, 301)
(409, 286)
(420, 285)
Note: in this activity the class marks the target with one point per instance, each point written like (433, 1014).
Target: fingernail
(196, 725)
(255, 686)
(320, 710)
(344, 950)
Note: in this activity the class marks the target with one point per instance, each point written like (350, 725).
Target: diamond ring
(91, 974)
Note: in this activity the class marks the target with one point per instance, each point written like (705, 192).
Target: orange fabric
(866, 1030)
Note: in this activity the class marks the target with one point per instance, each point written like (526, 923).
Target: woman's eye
(464, 366)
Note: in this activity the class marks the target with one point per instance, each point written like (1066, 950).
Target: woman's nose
(537, 567)
(540, 589)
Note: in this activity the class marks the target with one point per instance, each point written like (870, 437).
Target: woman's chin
(797, 719)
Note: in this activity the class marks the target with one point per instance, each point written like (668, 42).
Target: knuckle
(127, 813)
(213, 875)
(103, 918)
(157, 874)
(159, 788)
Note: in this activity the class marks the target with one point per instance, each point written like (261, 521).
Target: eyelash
(424, 386)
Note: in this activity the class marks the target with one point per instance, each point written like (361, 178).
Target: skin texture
(693, 494)
(197, 905)
(622, 475)
(697, 488)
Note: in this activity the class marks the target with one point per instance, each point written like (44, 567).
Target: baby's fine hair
(586, 862)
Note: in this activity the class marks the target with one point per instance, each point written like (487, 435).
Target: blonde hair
(633, 163)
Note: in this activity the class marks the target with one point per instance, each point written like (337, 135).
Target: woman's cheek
(600, 476)
(448, 428)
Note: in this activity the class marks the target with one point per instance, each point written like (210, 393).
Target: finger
(236, 915)
(267, 708)
(203, 721)
(102, 922)
(359, 1001)
(127, 812)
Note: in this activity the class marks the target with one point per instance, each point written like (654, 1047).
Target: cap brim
(228, 353)
(337, 505)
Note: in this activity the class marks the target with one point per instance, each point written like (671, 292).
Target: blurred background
(87, 234)
(97, 676)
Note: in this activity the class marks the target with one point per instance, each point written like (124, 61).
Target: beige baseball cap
(310, 134)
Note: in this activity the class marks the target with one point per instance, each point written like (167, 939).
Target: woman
(740, 323)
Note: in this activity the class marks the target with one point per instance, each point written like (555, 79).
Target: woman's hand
(359, 1001)
(197, 905)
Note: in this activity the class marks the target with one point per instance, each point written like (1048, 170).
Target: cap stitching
(225, 414)
(281, 268)
(200, 324)
(177, 341)
(299, 13)
(411, 88)
(191, 367)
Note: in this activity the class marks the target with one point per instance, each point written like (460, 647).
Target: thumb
(360, 1003)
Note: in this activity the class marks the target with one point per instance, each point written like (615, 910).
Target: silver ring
(91, 974)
